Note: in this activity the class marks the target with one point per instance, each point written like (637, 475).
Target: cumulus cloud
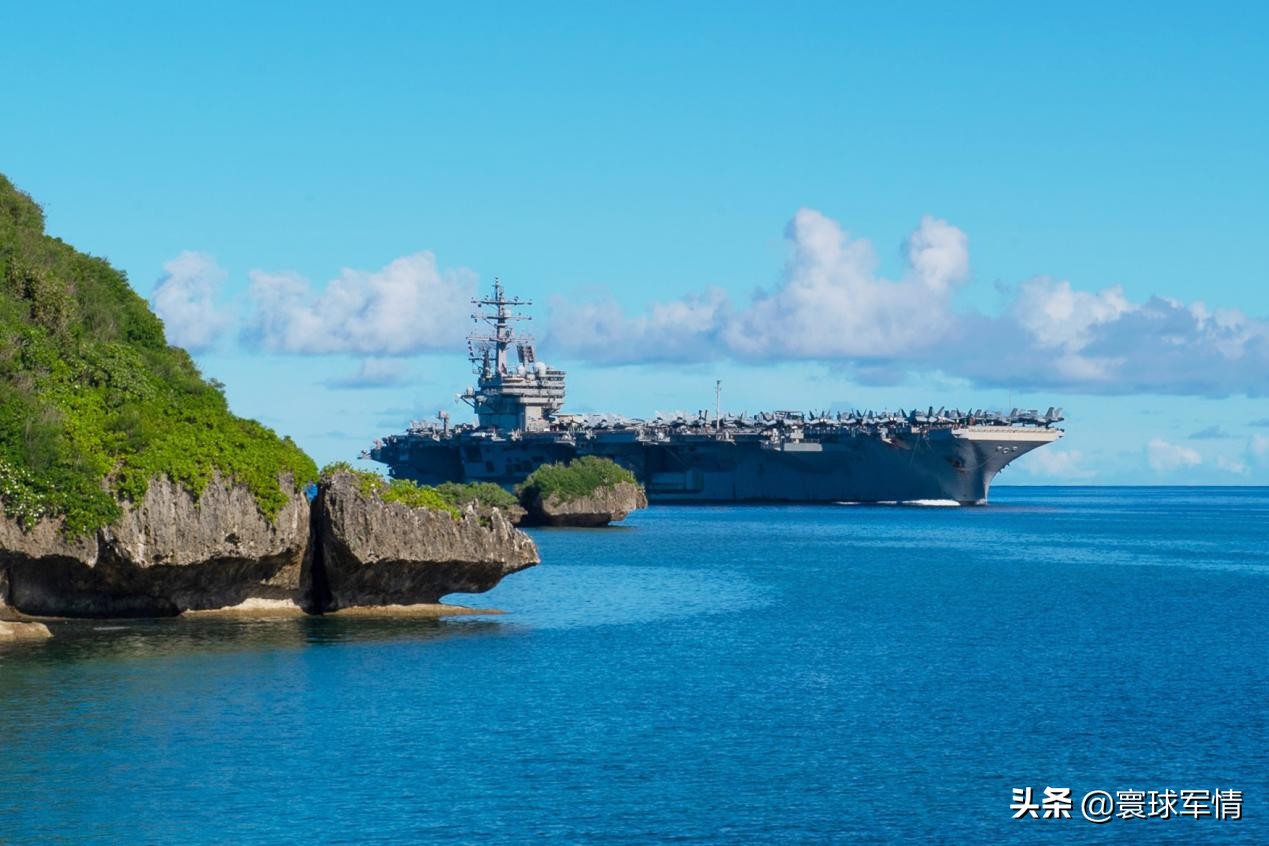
(1116, 346)
(372, 373)
(407, 307)
(1056, 464)
(1232, 465)
(1164, 456)
(831, 304)
(184, 299)
(1057, 316)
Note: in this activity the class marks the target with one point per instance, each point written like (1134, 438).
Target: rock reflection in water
(138, 639)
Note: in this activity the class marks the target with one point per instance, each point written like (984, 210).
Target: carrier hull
(944, 464)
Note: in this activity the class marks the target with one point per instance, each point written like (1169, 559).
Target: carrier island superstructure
(777, 456)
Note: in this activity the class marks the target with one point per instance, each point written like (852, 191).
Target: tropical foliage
(403, 491)
(94, 403)
(482, 493)
(450, 497)
(580, 477)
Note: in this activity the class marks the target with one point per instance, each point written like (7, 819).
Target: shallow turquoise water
(787, 674)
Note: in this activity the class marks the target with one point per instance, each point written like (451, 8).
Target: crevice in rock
(316, 590)
(4, 588)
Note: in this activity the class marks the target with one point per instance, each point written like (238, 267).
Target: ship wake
(916, 503)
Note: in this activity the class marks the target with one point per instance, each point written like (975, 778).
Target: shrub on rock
(588, 491)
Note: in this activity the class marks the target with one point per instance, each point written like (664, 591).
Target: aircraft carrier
(934, 455)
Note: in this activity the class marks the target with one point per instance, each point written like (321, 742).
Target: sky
(823, 205)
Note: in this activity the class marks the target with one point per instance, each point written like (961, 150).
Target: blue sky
(959, 204)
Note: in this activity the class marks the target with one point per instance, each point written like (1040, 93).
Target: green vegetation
(450, 497)
(94, 403)
(403, 491)
(580, 477)
(485, 494)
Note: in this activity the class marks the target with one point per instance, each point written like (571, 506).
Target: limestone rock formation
(11, 631)
(604, 505)
(172, 552)
(514, 514)
(372, 552)
(44, 540)
(166, 554)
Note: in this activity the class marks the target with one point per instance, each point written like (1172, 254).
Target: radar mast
(488, 351)
(507, 398)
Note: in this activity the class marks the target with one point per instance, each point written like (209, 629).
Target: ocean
(853, 674)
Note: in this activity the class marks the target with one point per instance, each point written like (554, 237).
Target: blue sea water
(699, 675)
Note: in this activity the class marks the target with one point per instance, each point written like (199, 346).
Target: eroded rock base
(173, 554)
(12, 631)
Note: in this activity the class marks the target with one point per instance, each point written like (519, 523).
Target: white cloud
(372, 373)
(831, 304)
(681, 330)
(1057, 464)
(938, 254)
(1258, 446)
(409, 306)
(183, 298)
(1255, 457)
(1164, 456)
(1058, 316)
(1232, 465)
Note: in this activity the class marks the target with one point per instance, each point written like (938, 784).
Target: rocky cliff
(169, 553)
(173, 552)
(603, 505)
(374, 552)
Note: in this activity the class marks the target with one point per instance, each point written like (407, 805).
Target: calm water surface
(775, 674)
